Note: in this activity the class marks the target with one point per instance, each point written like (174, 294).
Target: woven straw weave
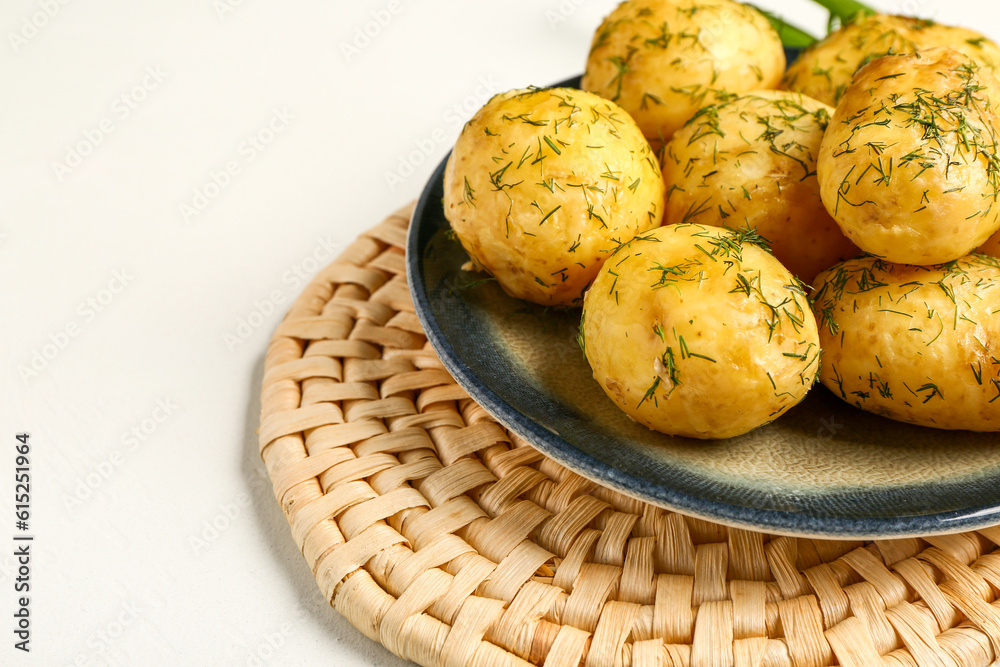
(452, 542)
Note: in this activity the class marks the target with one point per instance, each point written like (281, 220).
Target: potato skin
(696, 331)
(662, 60)
(824, 70)
(751, 162)
(908, 165)
(915, 344)
(991, 247)
(543, 183)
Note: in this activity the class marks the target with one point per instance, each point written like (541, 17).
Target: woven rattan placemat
(452, 542)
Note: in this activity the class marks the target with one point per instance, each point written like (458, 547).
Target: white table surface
(170, 175)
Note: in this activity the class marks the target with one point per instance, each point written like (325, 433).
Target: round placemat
(451, 541)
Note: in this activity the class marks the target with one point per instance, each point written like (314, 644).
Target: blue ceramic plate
(823, 469)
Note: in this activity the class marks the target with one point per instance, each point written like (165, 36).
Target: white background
(134, 274)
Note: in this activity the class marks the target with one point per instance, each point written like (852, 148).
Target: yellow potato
(991, 247)
(915, 344)
(662, 60)
(908, 166)
(824, 70)
(697, 331)
(751, 162)
(543, 184)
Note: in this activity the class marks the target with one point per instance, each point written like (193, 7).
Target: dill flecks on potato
(543, 184)
(750, 162)
(908, 166)
(824, 70)
(662, 60)
(919, 344)
(699, 331)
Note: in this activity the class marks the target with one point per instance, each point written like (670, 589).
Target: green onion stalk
(841, 11)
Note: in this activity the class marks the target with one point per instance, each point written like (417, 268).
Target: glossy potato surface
(908, 165)
(824, 70)
(915, 344)
(662, 60)
(543, 184)
(751, 163)
(697, 331)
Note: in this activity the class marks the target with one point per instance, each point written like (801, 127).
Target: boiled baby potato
(824, 70)
(991, 247)
(699, 331)
(543, 184)
(751, 162)
(908, 166)
(915, 344)
(662, 60)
